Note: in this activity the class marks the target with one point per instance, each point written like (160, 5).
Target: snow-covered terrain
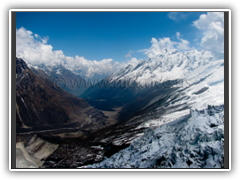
(168, 65)
(197, 76)
(172, 84)
(160, 98)
(196, 141)
(175, 81)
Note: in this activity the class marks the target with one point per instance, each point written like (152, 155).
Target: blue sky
(102, 35)
(95, 44)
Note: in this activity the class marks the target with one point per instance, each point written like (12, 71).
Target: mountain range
(172, 81)
(67, 79)
(129, 116)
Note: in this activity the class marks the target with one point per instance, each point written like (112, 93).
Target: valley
(120, 89)
(50, 116)
(81, 132)
(77, 146)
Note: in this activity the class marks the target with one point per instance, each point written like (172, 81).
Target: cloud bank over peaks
(184, 44)
(35, 50)
(165, 43)
(211, 26)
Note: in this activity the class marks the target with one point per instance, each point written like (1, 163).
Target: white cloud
(184, 44)
(212, 27)
(129, 54)
(157, 46)
(35, 50)
(133, 61)
(32, 49)
(177, 16)
(36, 35)
(165, 43)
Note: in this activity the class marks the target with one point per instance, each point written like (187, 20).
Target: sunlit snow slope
(170, 87)
(195, 141)
(189, 79)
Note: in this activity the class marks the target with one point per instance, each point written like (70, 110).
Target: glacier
(193, 141)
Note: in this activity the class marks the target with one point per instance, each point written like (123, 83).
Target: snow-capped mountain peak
(167, 65)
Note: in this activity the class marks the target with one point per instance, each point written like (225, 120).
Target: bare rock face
(40, 106)
(52, 123)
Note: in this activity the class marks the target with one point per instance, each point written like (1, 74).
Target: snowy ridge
(168, 65)
(198, 77)
(202, 87)
(196, 73)
(195, 141)
(197, 80)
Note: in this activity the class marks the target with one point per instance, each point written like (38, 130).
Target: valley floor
(35, 146)
(192, 141)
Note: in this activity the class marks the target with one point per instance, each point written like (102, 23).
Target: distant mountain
(40, 106)
(157, 123)
(173, 81)
(67, 79)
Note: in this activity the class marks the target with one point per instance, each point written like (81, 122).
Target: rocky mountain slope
(40, 106)
(64, 78)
